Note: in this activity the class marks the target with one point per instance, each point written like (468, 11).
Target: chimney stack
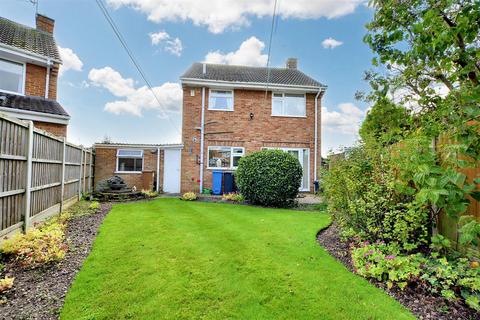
(291, 63)
(44, 23)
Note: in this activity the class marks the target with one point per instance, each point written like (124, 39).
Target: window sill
(304, 117)
(128, 172)
(222, 169)
(15, 93)
(228, 110)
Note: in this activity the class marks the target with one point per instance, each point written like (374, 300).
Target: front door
(171, 170)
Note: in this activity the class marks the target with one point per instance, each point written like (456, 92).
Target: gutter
(250, 85)
(202, 138)
(35, 116)
(27, 54)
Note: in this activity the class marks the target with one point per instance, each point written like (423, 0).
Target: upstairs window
(129, 160)
(288, 105)
(11, 77)
(224, 157)
(220, 100)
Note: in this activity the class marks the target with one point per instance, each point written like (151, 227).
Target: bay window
(221, 100)
(129, 160)
(224, 157)
(11, 77)
(288, 105)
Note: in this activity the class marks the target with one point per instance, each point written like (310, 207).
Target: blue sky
(105, 95)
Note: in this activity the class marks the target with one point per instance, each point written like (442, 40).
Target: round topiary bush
(269, 178)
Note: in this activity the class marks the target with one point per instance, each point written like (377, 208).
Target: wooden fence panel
(50, 160)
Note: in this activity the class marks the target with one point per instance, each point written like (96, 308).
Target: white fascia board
(250, 85)
(35, 116)
(27, 55)
(137, 146)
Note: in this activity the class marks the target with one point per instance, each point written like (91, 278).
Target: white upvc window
(289, 104)
(224, 157)
(220, 100)
(12, 77)
(129, 161)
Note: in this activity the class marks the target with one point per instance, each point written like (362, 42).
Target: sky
(106, 96)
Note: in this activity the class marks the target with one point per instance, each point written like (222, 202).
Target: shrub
(189, 196)
(6, 283)
(269, 178)
(235, 197)
(38, 245)
(149, 193)
(383, 262)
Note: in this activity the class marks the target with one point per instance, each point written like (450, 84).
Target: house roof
(32, 103)
(29, 39)
(245, 74)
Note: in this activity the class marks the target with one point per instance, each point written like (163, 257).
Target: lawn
(171, 259)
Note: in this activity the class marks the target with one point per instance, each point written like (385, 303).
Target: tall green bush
(269, 178)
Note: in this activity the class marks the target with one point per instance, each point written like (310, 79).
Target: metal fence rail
(40, 174)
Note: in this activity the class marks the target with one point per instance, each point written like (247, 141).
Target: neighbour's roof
(32, 103)
(136, 145)
(29, 39)
(245, 74)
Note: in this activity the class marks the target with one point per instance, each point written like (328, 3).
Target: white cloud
(219, 15)
(136, 100)
(249, 54)
(331, 43)
(346, 121)
(70, 61)
(170, 44)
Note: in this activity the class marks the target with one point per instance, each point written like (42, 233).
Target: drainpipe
(47, 78)
(202, 134)
(158, 170)
(316, 136)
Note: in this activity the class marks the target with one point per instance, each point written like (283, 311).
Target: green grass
(172, 259)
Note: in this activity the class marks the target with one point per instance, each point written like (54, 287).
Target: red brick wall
(36, 78)
(223, 128)
(106, 165)
(59, 130)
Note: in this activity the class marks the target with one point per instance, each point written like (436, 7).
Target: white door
(303, 156)
(171, 170)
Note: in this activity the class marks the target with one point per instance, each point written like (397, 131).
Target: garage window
(129, 160)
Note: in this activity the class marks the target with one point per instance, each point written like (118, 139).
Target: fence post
(90, 172)
(84, 171)
(28, 183)
(80, 176)
(62, 194)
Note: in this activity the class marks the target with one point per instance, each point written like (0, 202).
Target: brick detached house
(230, 111)
(29, 64)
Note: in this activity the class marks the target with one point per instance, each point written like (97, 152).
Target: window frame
(231, 157)
(283, 97)
(129, 157)
(218, 89)
(24, 76)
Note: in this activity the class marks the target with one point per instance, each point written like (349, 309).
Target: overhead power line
(270, 45)
(122, 40)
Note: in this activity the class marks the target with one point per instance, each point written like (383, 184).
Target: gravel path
(419, 301)
(39, 293)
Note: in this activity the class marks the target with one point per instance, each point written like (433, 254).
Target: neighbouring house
(230, 111)
(144, 166)
(29, 65)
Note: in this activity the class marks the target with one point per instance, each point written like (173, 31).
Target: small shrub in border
(149, 193)
(235, 197)
(6, 283)
(39, 245)
(269, 178)
(189, 196)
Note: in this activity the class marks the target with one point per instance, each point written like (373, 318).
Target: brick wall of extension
(237, 129)
(36, 77)
(106, 167)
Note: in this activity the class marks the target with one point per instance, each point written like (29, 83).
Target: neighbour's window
(220, 100)
(288, 104)
(129, 160)
(11, 77)
(224, 157)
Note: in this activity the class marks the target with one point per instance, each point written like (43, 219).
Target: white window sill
(286, 116)
(128, 172)
(15, 93)
(222, 169)
(229, 110)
